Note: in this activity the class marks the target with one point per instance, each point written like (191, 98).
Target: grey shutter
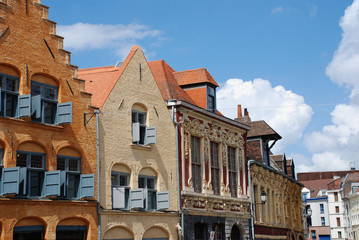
(118, 197)
(86, 186)
(64, 113)
(151, 137)
(163, 200)
(137, 199)
(135, 132)
(54, 180)
(23, 106)
(11, 179)
(36, 106)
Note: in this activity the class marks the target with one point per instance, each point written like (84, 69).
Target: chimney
(239, 111)
(246, 112)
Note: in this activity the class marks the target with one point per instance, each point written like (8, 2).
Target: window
(149, 184)
(313, 234)
(120, 190)
(337, 209)
(323, 221)
(67, 232)
(72, 167)
(218, 231)
(9, 91)
(29, 232)
(211, 99)
(304, 196)
(339, 234)
(196, 164)
(321, 208)
(336, 196)
(141, 134)
(338, 222)
(232, 171)
(35, 164)
(215, 168)
(200, 231)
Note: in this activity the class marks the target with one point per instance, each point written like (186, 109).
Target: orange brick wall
(23, 52)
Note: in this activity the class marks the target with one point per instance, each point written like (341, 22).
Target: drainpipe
(97, 112)
(178, 167)
(250, 162)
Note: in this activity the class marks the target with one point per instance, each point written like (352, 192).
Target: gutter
(97, 112)
(170, 103)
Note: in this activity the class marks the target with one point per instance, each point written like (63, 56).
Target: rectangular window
(139, 118)
(45, 109)
(72, 167)
(35, 164)
(120, 190)
(323, 221)
(339, 234)
(337, 209)
(9, 87)
(321, 208)
(149, 184)
(196, 164)
(215, 168)
(338, 222)
(313, 234)
(211, 99)
(232, 171)
(336, 196)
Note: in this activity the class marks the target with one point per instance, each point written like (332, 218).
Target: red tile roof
(194, 76)
(315, 185)
(261, 128)
(104, 79)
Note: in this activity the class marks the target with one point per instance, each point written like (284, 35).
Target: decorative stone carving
(190, 183)
(206, 150)
(186, 145)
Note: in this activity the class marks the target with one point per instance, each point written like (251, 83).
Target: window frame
(126, 188)
(322, 219)
(211, 104)
(339, 234)
(70, 175)
(196, 164)
(232, 171)
(321, 207)
(215, 168)
(151, 192)
(5, 94)
(335, 196)
(143, 126)
(30, 170)
(338, 222)
(337, 209)
(45, 101)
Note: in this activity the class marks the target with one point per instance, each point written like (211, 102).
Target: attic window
(211, 99)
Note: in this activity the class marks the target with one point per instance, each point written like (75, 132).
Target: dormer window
(211, 99)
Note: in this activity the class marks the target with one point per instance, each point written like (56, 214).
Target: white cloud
(313, 10)
(277, 10)
(344, 67)
(335, 147)
(285, 111)
(85, 36)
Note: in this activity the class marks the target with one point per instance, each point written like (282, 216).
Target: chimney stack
(239, 111)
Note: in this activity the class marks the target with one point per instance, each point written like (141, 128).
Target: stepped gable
(101, 80)
(25, 28)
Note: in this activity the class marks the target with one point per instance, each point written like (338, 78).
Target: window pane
(215, 167)
(142, 118)
(142, 134)
(35, 89)
(10, 104)
(61, 163)
(134, 117)
(50, 93)
(74, 165)
(73, 182)
(21, 160)
(150, 183)
(123, 181)
(114, 179)
(11, 84)
(141, 182)
(36, 178)
(49, 112)
(1, 81)
(36, 161)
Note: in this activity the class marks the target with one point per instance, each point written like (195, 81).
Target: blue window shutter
(54, 180)
(11, 179)
(64, 113)
(36, 106)
(137, 199)
(118, 197)
(151, 137)
(23, 106)
(163, 200)
(135, 132)
(87, 186)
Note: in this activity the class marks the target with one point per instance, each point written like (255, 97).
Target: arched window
(71, 229)
(29, 228)
(120, 183)
(200, 231)
(155, 233)
(44, 102)
(141, 134)
(235, 233)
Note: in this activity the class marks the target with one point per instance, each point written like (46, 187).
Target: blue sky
(271, 56)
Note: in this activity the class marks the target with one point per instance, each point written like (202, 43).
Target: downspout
(250, 162)
(178, 171)
(97, 112)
